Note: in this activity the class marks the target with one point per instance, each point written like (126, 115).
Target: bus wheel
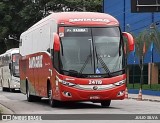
(30, 98)
(106, 103)
(4, 89)
(11, 89)
(52, 102)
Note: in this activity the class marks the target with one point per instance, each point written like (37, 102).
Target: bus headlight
(67, 83)
(64, 82)
(120, 82)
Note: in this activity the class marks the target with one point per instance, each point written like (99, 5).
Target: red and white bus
(74, 56)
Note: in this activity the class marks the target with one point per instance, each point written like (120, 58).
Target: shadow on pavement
(73, 105)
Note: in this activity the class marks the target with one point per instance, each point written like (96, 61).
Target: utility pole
(84, 7)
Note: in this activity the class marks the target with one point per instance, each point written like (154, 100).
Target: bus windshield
(91, 50)
(15, 65)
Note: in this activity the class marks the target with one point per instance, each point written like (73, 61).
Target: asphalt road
(18, 104)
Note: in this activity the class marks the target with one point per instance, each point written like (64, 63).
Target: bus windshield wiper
(85, 63)
(76, 73)
(103, 63)
(87, 59)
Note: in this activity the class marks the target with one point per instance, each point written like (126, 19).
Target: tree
(143, 42)
(17, 16)
(155, 35)
(140, 45)
(85, 5)
(9, 24)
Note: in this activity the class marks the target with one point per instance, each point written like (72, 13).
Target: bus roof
(12, 51)
(80, 18)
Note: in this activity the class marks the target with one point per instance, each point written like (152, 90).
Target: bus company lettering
(89, 19)
(36, 62)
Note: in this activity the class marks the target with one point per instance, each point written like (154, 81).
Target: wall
(130, 22)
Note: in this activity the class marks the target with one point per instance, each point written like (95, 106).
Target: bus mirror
(130, 40)
(10, 66)
(56, 44)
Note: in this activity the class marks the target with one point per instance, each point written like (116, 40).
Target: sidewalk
(3, 109)
(144, 97)
(147, 95)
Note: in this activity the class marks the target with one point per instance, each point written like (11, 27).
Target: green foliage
(17, 16)
(141, 41)
(154, 87)
(155, 36)
(9, 24)
(147, 36)
(86, 5)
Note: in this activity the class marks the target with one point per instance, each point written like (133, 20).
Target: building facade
(139, 24)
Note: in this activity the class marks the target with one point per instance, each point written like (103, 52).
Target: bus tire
(30, 98)
(37, 98)
(4, 89)
(106, 103)
(52, 102)
(11, 89)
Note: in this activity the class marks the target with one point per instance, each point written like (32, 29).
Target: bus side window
(49, 50)
(11, 68)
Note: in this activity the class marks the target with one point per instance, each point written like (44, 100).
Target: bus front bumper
(74, 94)
(15, 85)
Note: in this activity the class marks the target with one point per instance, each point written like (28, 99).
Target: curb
(145, 92)
(151, 100)
(148, 95)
